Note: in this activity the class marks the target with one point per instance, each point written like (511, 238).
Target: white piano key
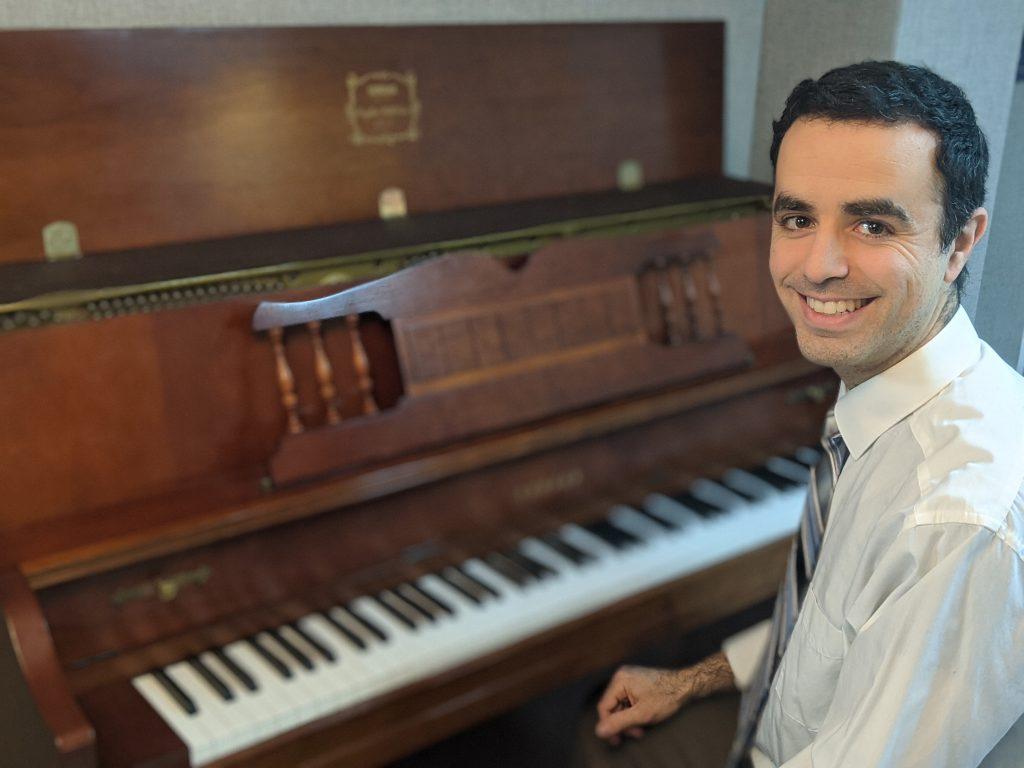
(189, 727)
(632, 521)
(226, 729)
(745, 482)
(717, 494)
(671, 510)
(789, 469)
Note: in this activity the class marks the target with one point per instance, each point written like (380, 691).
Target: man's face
(855, 251)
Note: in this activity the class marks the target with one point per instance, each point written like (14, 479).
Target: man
(908, 648)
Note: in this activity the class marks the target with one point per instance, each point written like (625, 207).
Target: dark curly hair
(891, 92)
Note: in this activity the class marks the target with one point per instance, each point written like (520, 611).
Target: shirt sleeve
(744, 651)
(934, 674)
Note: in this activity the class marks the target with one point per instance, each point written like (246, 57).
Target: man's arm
(935, 674)
(640, 696)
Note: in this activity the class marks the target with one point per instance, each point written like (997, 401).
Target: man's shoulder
(971, 436)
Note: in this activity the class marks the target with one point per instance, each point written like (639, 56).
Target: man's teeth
(835, 307)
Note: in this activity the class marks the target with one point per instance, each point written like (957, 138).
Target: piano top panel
(143, 137)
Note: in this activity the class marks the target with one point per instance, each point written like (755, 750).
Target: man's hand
(639, 696)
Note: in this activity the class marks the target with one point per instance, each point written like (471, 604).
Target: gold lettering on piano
(383, 108)
(533, 491)
(165, 588)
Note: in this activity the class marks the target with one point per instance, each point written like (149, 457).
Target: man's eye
(796, 222)
(873, 228)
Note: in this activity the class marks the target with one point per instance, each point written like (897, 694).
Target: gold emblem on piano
(382, 108)
(549, 485)
(164, 589)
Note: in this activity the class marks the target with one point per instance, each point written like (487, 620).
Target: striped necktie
(803, 557)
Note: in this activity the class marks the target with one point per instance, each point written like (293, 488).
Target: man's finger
(635, 732)
(616, 722)
(614, 699)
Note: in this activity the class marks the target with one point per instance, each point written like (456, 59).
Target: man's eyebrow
(787, 202)
(878, 206)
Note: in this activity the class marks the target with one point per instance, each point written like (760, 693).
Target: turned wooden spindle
(361, 363)
(669, 312)
(690, 299)
(715, 291)
(286, 382)
(324, 373)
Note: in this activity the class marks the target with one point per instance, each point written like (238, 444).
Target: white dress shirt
(909, 647)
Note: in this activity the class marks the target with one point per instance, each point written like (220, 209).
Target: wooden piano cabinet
(43, 726)
(158, 499)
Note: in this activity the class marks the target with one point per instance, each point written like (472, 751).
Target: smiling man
(897, 637)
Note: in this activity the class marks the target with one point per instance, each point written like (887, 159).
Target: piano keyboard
(230, 698)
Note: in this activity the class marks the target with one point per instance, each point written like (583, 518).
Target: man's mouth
(835, 306)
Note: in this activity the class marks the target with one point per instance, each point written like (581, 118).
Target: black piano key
(612, 534)
(478, 582)
(527, 563)
(743, 493)
(514, 573)
(313, 643)
(370, 627)
(661, 522)
(701, 507)
(347, 633)
(776, 481)
(412, 604)
(462, 587)
(383, 601)
(210, 678)
(567, 550)
(235, 669)
(268, 656)
(175, 692)
(295, 652)
(433, 599)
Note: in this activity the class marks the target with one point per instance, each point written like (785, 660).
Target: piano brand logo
(165, 588)
(537, 489)
(383, 108)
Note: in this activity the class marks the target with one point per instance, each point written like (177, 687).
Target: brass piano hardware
(391, 204)
(112, 301)
(550, 485)
(361, 363)
(267, 484)
(286, 382)
(164, 589)
(382, 108)
(60, 241)
(630, 175)
(324, 373)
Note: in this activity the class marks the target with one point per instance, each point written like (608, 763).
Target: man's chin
(819, 351)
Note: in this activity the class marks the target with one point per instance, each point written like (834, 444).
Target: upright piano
(358, 385)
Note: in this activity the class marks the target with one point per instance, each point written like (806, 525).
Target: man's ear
(969, 236)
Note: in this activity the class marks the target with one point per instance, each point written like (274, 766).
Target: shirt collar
(869, 409)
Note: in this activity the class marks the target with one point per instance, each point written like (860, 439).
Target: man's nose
(825, 259)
